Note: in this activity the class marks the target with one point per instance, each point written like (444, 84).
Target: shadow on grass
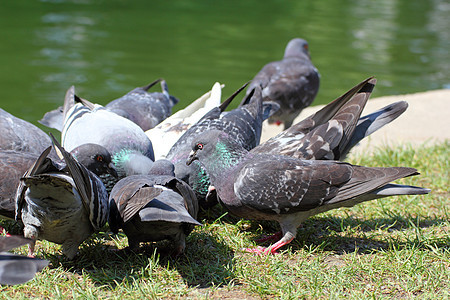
(206, 262)
(344, 235)
(215, 213)
(334, 233)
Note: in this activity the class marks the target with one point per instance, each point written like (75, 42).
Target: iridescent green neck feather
(225, 158)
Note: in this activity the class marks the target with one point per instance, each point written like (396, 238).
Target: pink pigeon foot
(31, 248)
(3, 230)
(261, 250)
(269, 250)
(274, 237)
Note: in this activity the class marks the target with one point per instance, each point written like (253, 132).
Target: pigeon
(143, 108)
(286, 189)
(166, 133)
(14, 164)
(334, 130)
(292, 82)
(21, 136)
(243, 123)
(85, 122)
(61, 205)
(53, 119)
(153, 207)
(17, 269)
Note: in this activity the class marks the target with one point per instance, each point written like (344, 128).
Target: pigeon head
(131, 162)
(162, 167)
(204, 145)
(215, 147)
(95, 158)
(296, 47)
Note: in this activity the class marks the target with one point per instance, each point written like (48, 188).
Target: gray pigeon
(141, 107)
(84, 122)
(17, 269)
(21, 136)
(63, 206)
(166, 133)
(14, 164)
(243, 123)
(289, 190)
(292, 82)
(153, 207)
(334, 130)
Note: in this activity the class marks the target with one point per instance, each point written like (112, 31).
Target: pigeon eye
(199, 146)
(99, 158)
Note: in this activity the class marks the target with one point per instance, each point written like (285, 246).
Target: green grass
(397, 247)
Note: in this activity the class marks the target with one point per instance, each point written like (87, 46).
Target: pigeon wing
(316, 129)
(190, 200)
(10, 242)
(367, 179)
(370, 123)
(21, 189)
(141, 198)
(180, 187)
(15, 269)
(298, 79)
(280, 185)
(80, 177)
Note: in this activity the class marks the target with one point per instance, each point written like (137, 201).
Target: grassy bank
(394, 247)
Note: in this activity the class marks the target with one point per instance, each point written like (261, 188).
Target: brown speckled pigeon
(286, 189)
(292, 82)
(154, 207)
(64, 206)
(17, 269)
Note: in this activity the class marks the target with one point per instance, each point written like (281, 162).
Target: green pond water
(106, 48)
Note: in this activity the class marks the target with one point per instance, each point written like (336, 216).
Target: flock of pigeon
(134, 166)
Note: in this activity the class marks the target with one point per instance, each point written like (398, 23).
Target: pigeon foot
(31, 248)
(274, 237)
(271, 249)
(261, 250)
(3, 231)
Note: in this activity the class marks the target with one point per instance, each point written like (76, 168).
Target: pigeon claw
(261, 250)
(274, 237)
(272, 249)
(3, 231)
(31, 248)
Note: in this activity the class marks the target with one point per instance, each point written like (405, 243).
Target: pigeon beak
(191, 157)
(112, 170)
